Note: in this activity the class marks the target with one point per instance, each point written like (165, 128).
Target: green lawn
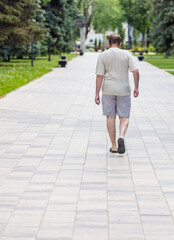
(19, 72)
(160, 61)
(171, 72)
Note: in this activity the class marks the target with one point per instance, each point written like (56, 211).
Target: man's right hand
(136, 92)
(97, 99)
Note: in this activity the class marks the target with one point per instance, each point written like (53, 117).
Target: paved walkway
(58, 180)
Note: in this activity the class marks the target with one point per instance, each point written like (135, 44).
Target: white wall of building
(91, 38)
(99, 36)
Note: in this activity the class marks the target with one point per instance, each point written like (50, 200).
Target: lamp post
(32, 53)
(49, 50)
(49, 47)
(49, 40)
(80, 22)
(32, 47)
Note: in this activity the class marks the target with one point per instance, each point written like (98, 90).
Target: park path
(58, 180)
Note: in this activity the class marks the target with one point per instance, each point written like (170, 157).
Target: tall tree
(60, 20)
(129, 15)
(18, 24)
(162, 26)
(108, 16)
(141, 19)
(136, 13)
(87, 8)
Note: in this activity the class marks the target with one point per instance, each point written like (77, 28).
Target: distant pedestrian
(103, 47)
(75, 47)
(112, 70)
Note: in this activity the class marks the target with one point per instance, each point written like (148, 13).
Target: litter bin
(141, 57)
(62, 62)
(81, 52)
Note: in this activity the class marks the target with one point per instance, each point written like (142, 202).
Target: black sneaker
(121, 146)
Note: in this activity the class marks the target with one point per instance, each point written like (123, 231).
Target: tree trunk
(143, 35)
(129, 36)
(148, 42)
(87, 30)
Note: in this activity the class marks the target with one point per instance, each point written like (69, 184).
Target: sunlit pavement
(58, 180)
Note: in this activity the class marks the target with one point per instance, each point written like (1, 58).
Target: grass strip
(160, 61)
(17, 73)
(171, 72)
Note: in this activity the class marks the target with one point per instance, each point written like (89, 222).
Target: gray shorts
(119, 105)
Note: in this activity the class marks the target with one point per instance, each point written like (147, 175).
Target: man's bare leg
(124, 122)
(112, 131)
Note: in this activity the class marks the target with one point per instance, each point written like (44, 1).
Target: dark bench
(136, 51)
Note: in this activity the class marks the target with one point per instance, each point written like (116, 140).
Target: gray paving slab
(58, 180)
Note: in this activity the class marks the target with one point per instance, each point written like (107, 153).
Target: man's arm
(99, 80)
(136, 82)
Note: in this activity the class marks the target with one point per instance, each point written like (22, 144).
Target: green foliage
(19, 72)
(95, 43)
(128, 12)
(60, 20)
(99, 44)
(151, 49)
(87, 9)
(16, 22)
(5, 52)
(140, 49)
(21, 22)
(141, 20)
(108, 16)
(162, 26)
(136, 13)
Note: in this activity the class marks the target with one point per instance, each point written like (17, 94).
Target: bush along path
(17, 73)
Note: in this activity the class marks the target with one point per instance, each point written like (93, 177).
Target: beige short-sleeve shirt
(114, 64)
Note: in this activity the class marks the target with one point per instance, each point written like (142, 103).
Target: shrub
(95, 43)
(99, 44)
(151, 49)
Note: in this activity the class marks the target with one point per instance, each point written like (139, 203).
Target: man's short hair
(114, 39)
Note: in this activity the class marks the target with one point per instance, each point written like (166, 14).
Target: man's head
(114, 40)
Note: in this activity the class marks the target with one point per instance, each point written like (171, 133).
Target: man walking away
(112, 70)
